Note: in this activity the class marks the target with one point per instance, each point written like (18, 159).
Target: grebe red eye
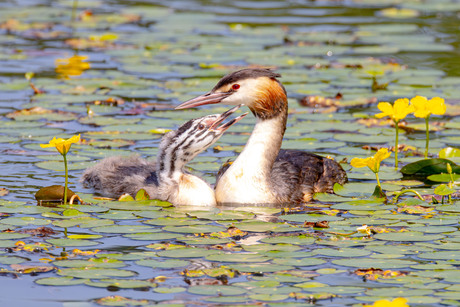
(235, 86)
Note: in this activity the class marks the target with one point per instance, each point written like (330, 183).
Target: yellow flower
(365, 229)
(399, 110)
(372, 162)
(62, 145)
(424, 107)
(73, 66)
(397, 302)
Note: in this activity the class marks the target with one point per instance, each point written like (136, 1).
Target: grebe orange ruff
(262, 173)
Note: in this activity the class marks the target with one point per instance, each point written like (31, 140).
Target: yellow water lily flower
(372, 162)
(63, 146)
(424, 107)
(397, 302)
(73, 66)
(397, 111)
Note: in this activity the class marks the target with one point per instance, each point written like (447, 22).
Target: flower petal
(437, 106)
(402, 108)
(386, 108)
(358, 162)
(382, 154)
(420, 105)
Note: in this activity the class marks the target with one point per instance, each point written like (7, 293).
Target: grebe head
(198, 134)
(257, 88)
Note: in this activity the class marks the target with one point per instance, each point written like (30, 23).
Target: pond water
(114, 73)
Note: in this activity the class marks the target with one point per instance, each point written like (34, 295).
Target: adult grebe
(263, 173)
(166, 179)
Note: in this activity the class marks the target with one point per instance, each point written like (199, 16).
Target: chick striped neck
(178, 148)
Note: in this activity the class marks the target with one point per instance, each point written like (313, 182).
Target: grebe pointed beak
(208, 98)
(224, 116)
(228, 124)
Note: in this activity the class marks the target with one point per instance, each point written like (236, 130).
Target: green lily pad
(152, 236)
(120, 283)
(342, 252)
(72, 242)
(166, 264)
(216, 290)
(11, 260)
(410, 236)
(60, 281)
(167, 290)
(124, 229)
(300, 262)
(374, 263)
(24, 221)
(95, 273)
(261, 268)
(186, 253)
(247, 258)
(82, 222)
(429, 167)
(299, 240)
(194, 229)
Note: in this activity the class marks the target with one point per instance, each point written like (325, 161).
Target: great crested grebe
(263, 173)
(166, 179)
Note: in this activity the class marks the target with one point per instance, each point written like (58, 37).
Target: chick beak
(208, 98)
(224, 116)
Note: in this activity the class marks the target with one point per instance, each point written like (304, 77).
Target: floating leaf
(449, 152)
(429, 167)
(95, 273)
(410, 236)
(120, 283)
(443, 189)
(72, 242)
(216, 290)
(60, 281)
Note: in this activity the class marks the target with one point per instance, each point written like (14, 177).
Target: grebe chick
(262, 173)
(166, 179)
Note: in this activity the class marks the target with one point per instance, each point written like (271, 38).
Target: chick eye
(201, 126)
(235, 86)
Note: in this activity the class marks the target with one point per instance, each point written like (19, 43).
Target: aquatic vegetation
(72, 66)
(423, 108)
(150, 252)
(397, 302)
(63, 147)
(373, 163)
(397, 111)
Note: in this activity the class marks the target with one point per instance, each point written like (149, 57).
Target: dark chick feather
(304, 174)
(114, 176)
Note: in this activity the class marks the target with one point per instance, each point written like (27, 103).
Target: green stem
(74, 10)
(407, 191)
(378, 180)
(66, 178)
(427, 135)
(396, 144)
